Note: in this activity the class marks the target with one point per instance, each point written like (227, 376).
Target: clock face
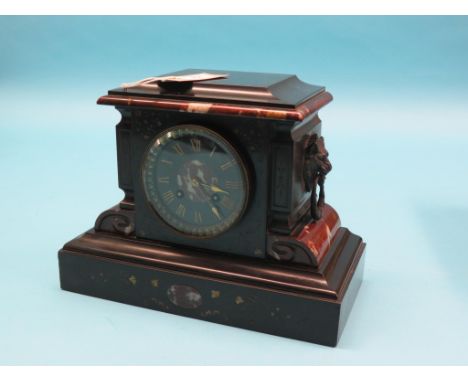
(195, 180)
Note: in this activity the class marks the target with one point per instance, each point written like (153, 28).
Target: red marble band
(297, 114)
(317, 236)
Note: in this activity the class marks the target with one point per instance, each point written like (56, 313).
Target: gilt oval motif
(184, 296)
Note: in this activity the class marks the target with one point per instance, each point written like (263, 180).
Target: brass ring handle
(316, 167)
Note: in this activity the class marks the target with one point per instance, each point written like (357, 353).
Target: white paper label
(183, 78)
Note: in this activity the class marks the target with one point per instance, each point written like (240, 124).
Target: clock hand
(217, 189)
(214, 188)
(214, 209)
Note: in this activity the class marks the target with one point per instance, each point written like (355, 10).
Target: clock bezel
(233, 149)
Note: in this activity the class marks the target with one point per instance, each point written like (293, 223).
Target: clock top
(262, 95)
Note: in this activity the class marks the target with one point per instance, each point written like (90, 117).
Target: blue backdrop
(397, 133)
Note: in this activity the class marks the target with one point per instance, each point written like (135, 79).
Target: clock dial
(195, 180)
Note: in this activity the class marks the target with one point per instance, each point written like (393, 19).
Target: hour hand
(215, 188)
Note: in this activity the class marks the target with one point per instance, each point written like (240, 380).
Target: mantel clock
(224, 216)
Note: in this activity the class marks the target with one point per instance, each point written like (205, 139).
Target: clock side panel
(289, 204)
(124, 158)
(250, 137)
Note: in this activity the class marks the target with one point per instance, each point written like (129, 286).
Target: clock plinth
(224, 216)
(299, 302)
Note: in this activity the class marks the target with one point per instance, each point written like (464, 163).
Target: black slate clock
(224, 216)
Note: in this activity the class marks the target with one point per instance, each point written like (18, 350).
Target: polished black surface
(282, 90)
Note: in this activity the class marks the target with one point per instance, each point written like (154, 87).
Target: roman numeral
(163, 179)
(197, 217)
(180, 210)
(196, 145)
(213, 151)
(228, 165)
(232, 185)
(178, 149)
(168, 197)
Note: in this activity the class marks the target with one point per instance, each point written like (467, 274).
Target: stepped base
(295, 301)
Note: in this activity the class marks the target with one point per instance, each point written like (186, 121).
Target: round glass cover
(195, 180)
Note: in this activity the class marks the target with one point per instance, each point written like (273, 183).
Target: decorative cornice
(297, 114)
